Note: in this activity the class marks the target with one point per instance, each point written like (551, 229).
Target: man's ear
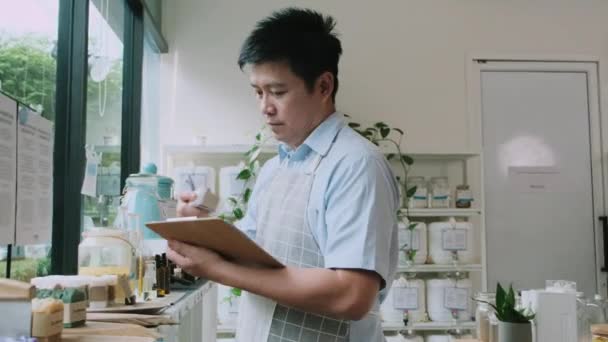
(325, 84)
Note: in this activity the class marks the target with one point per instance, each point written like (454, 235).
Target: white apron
(284, 231)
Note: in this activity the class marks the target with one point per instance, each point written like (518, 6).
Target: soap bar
(47, 318)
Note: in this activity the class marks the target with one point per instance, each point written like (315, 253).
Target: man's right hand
(184, 209)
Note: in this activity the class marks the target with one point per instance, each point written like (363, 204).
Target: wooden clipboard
(215, 234)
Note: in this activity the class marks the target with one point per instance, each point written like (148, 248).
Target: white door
(542, 173)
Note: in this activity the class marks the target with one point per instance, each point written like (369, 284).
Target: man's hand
(184, 209)
(195, 260)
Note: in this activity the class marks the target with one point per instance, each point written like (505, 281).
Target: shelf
(225, 329)
(440, 268)
(447, 212)
(216, 149)
(428, 326)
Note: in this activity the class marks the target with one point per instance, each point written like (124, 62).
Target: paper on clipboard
(215, 234)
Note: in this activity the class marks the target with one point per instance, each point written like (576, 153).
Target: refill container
(405, 300)
(415, 239)
(451, 242)
(105, 252)
(449, 299)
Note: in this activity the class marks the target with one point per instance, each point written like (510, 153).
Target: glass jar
(105, 252)
(493, 337)
(440, 192)
(464, 197)
(482, 315)
(420, 198)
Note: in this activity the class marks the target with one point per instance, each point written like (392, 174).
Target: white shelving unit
(460, 168)
(429, 326)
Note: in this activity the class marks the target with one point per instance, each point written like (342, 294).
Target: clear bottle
(596, 310)
(482, 315)
(420, 198)
(440, 192)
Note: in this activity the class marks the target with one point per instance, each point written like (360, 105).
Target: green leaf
(412, 226)
(354, 125)
(244, 174)
(384, 132)
(346, 115)
(246, 195)
(235, 292)
(411, 191)
(232, 200)
(375, 142)
(390, 156)
(238, 213)
(407, 159)
(255, 152)
(398, 130)
(258, 137)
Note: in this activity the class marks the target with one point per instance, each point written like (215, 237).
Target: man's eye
(278, 93)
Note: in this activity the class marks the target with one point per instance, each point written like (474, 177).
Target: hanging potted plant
(514, 324)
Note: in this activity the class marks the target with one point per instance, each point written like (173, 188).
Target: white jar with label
(420, 198)
(440, 192)
(449, 299)
(411, 337)
(451, 242)
(405, 300)
(449, 337)
(412, 240)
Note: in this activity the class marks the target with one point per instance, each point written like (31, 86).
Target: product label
(75, 312)
(409, 239)
(421, 194)
(405, 298)
(456, 299)
(454, 240)
(440, 194)
(464, 195)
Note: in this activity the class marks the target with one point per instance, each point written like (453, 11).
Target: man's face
(290, 109)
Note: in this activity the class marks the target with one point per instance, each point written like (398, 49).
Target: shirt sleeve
(361, 216)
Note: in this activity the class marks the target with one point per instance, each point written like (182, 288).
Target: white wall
(403, 62)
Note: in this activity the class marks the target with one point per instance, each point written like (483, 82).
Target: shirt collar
(319, 140)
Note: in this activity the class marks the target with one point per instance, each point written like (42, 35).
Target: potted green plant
(514, 324)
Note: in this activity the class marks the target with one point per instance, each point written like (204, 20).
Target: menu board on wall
(8, 166)
(34, 178)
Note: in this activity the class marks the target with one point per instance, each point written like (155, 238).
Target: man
(325, 206)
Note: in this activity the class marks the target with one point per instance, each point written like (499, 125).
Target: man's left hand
(195, 260)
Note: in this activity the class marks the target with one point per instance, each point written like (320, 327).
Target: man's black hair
(301, 37)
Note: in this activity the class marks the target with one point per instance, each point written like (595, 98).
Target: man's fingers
(187, 197)
(177, 258)
(182, 248)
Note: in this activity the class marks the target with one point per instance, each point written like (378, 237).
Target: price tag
(408, 241)
(454, 240)
(405, 298)
(456, 299)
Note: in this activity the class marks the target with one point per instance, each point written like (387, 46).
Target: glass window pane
(28, 38)
(150, 106)
(104, 108)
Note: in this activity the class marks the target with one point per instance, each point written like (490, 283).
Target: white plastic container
(230, 186)
(446, 337)
(417, 239)
(451, 242)
(420, 198)
(411, 338)
(405, 296)
(449, 299)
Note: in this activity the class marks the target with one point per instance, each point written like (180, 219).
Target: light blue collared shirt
(353, 202)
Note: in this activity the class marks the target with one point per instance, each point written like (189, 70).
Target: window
(28, 38)
(150, 105)
(104, 107)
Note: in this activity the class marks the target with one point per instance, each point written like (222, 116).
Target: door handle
(604, 220)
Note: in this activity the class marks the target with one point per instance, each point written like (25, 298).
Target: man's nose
(267, 106)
